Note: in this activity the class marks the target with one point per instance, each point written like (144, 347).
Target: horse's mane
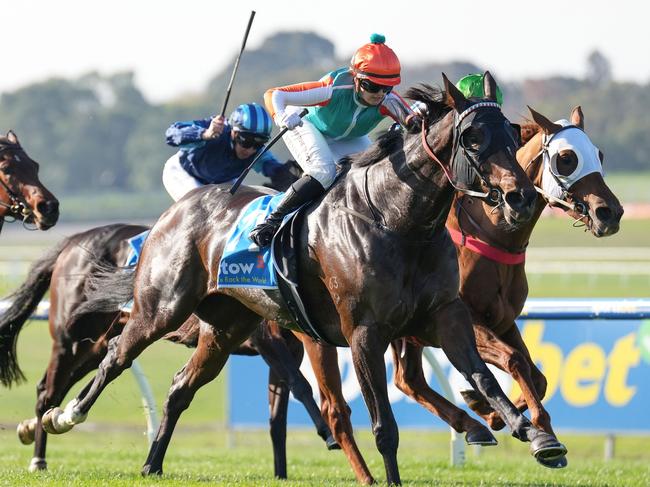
(435, 100)
(528, 130)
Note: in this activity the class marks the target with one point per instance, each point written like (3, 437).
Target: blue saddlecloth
(243, 263)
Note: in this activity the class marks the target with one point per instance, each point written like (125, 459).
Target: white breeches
(317, 154)
(176, 180)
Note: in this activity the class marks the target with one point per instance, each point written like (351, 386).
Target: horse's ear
(11, 137)
(577, 117)
(454, 97)
(489, 86)
(547, 126)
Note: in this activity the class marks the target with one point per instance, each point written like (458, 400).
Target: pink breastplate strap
(480, 247)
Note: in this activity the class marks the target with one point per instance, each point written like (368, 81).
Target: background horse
(80, 339)
(22, 195)
(364, 284)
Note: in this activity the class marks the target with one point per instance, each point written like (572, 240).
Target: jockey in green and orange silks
(344, 106)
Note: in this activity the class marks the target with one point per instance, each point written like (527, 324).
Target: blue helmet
(252, 118)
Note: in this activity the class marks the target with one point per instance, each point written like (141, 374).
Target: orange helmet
(377, 62)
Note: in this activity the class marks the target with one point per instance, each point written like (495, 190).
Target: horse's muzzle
(605, 220)
(46, 213)
(521, 204)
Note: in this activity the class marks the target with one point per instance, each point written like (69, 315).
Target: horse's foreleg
(368, 349)
(278, 404)
(324, 362)
(516, 361)
(273, 348)
(409, 378)
(204, 365)
(455, 335)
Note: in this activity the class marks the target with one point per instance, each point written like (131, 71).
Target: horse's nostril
(515, 199)
(48, 207)
(604, 214)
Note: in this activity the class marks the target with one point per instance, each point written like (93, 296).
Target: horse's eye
(473, 139)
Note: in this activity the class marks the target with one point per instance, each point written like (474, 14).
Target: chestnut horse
(366, 280)
(22, 195)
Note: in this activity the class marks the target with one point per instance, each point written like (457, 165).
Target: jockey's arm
(311, 93)
(395, 107)
(181, 133)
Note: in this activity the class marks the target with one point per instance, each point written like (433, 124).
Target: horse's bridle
(18, 208)
(493, 195)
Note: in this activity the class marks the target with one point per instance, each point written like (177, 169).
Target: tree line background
(98, 134)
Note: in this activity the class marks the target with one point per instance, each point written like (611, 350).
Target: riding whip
(240, 179)
(234, 71)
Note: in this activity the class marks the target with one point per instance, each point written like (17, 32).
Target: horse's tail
(23, 303)
(108, 288)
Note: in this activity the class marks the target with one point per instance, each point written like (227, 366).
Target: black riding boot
(302, 191)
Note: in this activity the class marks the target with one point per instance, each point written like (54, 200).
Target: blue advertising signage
(598, 374)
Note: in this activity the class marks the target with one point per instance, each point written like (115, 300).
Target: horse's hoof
(332, 443)
(25, 431)
(148, 470)
(37, 464)
(547, 448)
(50, 423)
(480, 436)
(560, 462)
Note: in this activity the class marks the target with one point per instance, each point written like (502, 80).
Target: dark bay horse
(376, 264)
(496, 283)
(22, 195)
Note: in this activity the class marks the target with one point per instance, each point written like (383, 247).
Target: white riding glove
(288, 120)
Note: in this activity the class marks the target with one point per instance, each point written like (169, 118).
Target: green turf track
(201, 458)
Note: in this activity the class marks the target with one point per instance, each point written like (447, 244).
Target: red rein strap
(484, 249)
(428, 150)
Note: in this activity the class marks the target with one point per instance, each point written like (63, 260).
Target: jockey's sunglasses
(250, 141)
(370, 87)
